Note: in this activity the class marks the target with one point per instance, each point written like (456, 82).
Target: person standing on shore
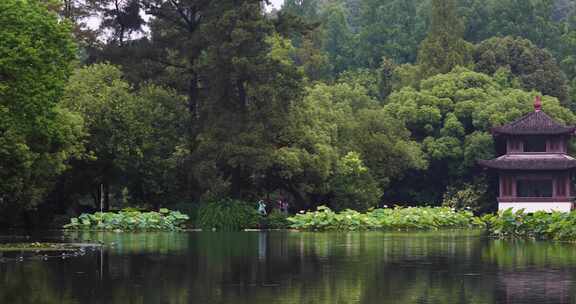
(262, 208)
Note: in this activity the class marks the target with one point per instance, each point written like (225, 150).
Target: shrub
(127, 219)
(188, 208)
(276, 220)
(228, 215)
(468, 196)
(396, 218)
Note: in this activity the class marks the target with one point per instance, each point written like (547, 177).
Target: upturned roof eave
(501, 164)
(566, 131)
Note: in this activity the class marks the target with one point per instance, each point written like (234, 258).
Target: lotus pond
(291, 267)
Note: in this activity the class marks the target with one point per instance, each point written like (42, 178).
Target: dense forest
(345, 103)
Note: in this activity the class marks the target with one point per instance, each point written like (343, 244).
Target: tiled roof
(531, 162)
(534, 123)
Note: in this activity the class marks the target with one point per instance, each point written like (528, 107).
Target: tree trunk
(106, 194)
(236, 182)
(193, 92)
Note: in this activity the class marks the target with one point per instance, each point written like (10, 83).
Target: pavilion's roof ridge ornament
(534, 123)
(537, 103)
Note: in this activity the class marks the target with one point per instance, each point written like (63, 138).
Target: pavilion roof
(534, 123)
(531, 162)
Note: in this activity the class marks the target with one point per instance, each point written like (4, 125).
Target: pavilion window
(554, 145)
(535, 144)
(506, 186)
(534, 188)
(514, 145)
(560, 186)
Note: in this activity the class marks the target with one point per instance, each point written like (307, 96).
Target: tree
(313, 60)
(133, 136)
(531, 20)
(122, 17)
(443, 49)
(353, 186)
(100, 95)
(391, 29)
(78, 13)
(535, 68)
(248, 92)
(345, 139)
(307, 9)
(178, 42)
(337, 38)
(37, 136)
(386, 77)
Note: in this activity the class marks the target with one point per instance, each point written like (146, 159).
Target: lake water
(292, 267)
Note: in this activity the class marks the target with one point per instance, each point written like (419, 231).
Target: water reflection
(290, 267)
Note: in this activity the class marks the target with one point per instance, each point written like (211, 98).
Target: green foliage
(275, 220)
(451, 114)
(188, 208)
(353, 186)
(426, 218)
(338, 39)
(336, 104)
(558, 226)
(129, 220)
(228, 215)
(37, 136)
(344, 139)
(133, 134)
(246, 117)
(535, 68)
(391, 29)
(533, 20)
(470, 196)
(303, 8)
(313, 60)
(444, 48)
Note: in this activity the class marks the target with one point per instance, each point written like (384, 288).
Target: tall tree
(307, 9)
(122, 18)
(37, 136)
(444, 48)
(536, 68)
(391, 29)
(337, 40)
(78, 12)
(528, 19)
(132, 135)
(177, 41)
(248, 93)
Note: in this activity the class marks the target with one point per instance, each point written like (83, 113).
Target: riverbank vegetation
(129, 220)
(421, 218)
(231, 215)
(353, 104)
(228, 215)
(558, 226)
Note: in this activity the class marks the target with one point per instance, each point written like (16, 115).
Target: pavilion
(535, 173)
